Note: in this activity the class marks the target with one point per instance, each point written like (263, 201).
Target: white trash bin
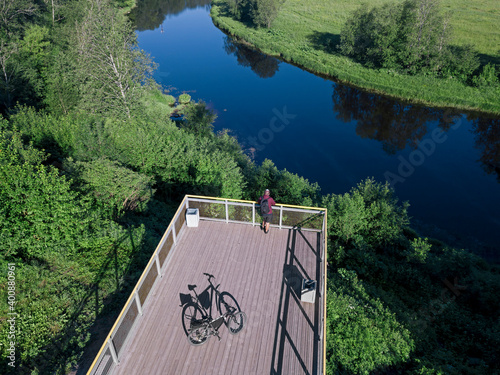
(308, 291)
(192, 217)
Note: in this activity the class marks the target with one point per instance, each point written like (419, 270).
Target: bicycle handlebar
(209, 276)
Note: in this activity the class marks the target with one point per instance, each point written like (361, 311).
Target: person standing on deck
(266, 210)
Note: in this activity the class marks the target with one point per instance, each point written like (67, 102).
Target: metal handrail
(243, 203)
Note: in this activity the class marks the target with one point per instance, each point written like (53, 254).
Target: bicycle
(197, 321)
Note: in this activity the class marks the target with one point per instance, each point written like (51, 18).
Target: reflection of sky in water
(450, 189)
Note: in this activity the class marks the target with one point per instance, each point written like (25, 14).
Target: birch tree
(110, 66)
(13, 12)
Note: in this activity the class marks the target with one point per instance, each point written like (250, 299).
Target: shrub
(488, 76)
(286, 187)
(184, 98)
(38, 210)
(362, 335)
(412, 36)
(170, 100)
(116, 187)
(264, 12)
(369, 215)
(418, 250)
(199, 119)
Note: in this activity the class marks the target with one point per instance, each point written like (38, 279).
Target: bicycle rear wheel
(227, 304)
(199, 335)
(236, 322)
(191, 316)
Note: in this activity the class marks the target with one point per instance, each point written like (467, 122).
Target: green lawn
(301, 29)
(476, 22)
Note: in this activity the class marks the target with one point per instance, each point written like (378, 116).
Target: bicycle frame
(217, 295)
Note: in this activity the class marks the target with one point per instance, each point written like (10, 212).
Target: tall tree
(265, 11)
(111, 69)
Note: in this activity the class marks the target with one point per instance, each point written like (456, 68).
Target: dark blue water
(445, 164)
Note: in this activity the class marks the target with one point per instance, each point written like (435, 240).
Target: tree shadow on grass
(485, 59)
(323, 41)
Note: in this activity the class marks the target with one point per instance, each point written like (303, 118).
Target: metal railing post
(138, 302)
(281, 216)
(113, 351)
(227, 212)
(253, 214)
(173, 234)
(158, 267)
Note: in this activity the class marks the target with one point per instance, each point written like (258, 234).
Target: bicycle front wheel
(227, 304)
(191, 317)
(199, 336)
(236, 322)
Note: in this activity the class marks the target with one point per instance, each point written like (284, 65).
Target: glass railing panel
(125, 326)
(105, 363)
(147, 284)
(165, 249)
(211, 210)
(240, 213)
(301, 219)
(181, 219)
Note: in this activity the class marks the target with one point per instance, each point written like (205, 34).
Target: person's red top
(269, 200)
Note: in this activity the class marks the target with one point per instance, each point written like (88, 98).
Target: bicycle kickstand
(217, 334)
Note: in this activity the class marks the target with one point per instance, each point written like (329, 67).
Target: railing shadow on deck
(293, 274)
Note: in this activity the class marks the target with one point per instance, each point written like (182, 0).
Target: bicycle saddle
(191, 287)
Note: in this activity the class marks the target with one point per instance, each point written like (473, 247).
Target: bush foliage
(412, 36)
(260, 12)
(363, 336)
(369, 215)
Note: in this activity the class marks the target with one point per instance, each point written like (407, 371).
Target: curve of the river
(446, 164)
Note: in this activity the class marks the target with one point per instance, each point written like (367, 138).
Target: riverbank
(301, 31)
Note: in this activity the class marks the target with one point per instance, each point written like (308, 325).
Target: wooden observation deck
(263, 272)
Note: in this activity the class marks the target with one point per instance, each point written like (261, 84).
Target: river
(445, 163)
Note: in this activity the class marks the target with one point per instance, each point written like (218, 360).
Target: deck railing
(219, 209)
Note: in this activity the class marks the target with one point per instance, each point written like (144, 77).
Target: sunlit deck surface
(263, 272)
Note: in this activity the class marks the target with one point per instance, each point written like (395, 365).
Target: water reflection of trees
(398, 125)
(487, 136)
(394, 123)
(263, 65)
(150, 14)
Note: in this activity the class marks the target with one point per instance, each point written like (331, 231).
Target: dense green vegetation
(92, 169)
(411, 37)
(400, 303)
(415, 50)
(259, 12)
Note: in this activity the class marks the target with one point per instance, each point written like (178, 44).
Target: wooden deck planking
(250, 265)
